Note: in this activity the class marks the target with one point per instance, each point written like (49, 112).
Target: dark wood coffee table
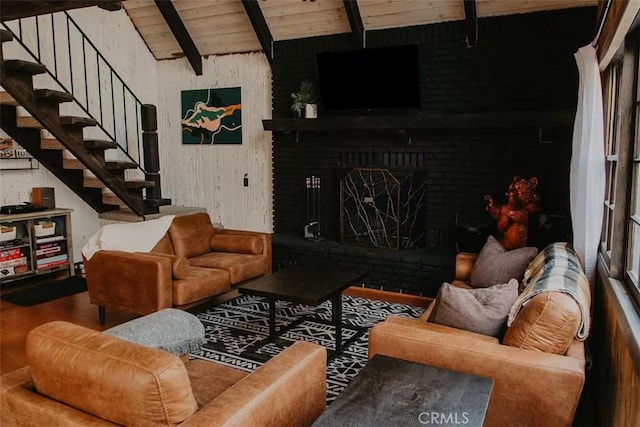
(305, 284)
(395, 392)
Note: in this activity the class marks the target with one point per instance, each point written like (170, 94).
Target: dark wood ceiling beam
(260, 27)
(355, 20)
(471, 22)
(173, 20)
(10, 9)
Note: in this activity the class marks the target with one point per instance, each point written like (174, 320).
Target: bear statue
(513, 216)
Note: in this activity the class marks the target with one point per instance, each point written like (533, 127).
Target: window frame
(621, 97)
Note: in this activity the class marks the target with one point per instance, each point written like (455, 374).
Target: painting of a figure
(212, 116)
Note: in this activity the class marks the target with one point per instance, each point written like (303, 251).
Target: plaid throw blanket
(556, 268)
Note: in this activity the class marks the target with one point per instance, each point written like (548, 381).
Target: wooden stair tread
(28, 122)
(23, 67)
(77, 121)
(134, 184)
(97, 144)
(7, 99)
(112, 199)
(112, 165)
(5, 36)
(72, 164)
(154, 203)
(92, 182)
(53, 95)
(51, 144)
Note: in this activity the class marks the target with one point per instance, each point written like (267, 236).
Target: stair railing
(109, 100)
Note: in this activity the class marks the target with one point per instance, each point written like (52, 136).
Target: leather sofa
(193, 261)
(78, 376)
(533, 384)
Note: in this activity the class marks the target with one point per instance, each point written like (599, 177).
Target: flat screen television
(369, 80)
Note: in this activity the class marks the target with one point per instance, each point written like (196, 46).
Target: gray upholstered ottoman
(172, 330)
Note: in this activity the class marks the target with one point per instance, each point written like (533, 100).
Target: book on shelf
(52, 261)
(45, 250)
(13, 262)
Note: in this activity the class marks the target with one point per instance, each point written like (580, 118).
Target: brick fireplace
(514, 69)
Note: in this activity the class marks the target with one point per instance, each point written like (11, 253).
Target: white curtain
(587, 176)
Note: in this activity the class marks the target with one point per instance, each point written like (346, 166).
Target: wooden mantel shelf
(528, 118)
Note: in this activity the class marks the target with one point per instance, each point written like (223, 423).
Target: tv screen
(369, 80)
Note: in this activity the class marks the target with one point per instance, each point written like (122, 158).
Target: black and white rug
(237, 333)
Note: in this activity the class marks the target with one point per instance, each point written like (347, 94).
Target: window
(611, 152)
(633, 242)
(621, 222)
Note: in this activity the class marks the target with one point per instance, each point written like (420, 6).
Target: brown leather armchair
(538, 369)
(78, 376)
(192, 262)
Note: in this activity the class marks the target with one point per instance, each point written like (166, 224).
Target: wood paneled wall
(211, 176)
(615, 345)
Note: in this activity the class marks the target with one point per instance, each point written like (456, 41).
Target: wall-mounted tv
(369, 80)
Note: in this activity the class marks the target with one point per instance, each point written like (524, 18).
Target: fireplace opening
(382, 209)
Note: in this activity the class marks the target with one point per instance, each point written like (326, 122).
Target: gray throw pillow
(496, 265)
(483, 310)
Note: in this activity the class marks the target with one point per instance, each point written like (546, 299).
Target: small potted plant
(304, 98)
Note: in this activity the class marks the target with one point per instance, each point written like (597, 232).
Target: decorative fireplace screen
(379, 210)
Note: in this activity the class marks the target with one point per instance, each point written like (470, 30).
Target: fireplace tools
(312, 227)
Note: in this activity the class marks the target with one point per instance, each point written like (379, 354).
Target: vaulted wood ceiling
(224, 26)
(196, 28)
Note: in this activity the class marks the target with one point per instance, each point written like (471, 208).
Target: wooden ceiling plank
(355, 21)
(312, 30)
(240, 21)
(260, 27)
(471, 22)
(413, 18)
(181, 5)
(207, 8)
(227, 18)
(146, 21)
(497, 8)
(142, 11)
(158, 20)
(288, 7)
(182, 36)
(406, 6)
(279, 21)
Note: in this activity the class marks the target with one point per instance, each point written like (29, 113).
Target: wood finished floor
(17, 321)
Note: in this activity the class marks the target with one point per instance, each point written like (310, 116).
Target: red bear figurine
(513, 216)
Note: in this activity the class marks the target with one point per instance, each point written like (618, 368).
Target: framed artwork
(212, 116)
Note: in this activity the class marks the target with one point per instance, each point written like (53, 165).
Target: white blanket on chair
(128, 237)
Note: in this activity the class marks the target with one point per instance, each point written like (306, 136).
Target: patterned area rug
(237, 333)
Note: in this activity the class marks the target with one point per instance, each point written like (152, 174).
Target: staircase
(87, 172)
